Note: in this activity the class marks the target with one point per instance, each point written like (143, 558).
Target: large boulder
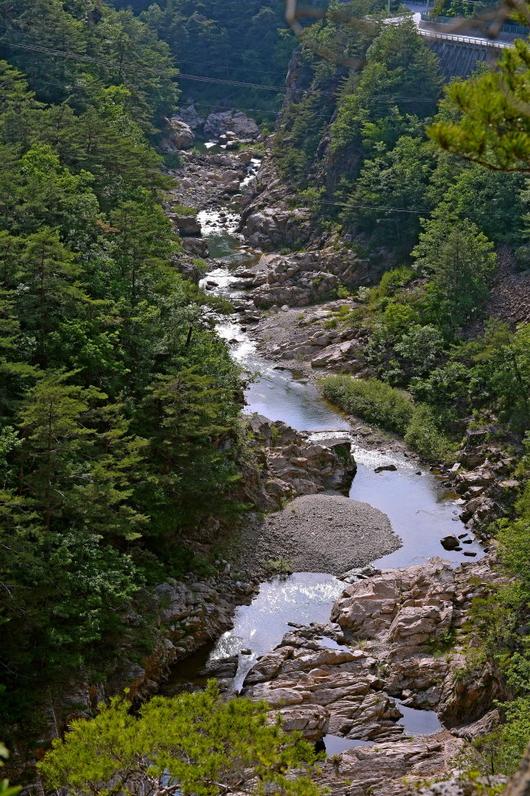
(338, 357)
(290, 464)
(311, 720)
(272, 228)
(240, 124)
(180, 135)
(187, 226)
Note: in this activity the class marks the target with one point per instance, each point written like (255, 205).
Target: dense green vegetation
(370, 399)
(224, 40)
(435, 363)
(103, 48)
(500, 623)
(118, 405)
(197, 741)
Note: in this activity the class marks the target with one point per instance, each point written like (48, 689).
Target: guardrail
(472, 40)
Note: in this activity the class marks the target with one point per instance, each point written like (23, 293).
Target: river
(420, 511)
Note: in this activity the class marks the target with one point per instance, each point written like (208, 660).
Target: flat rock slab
(329, 533)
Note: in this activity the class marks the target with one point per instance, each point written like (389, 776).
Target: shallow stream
(411, 496)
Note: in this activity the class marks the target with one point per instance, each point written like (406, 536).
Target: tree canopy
(195, 742)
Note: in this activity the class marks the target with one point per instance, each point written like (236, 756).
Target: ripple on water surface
(303, 597)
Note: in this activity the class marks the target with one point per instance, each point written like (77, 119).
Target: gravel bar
(320, 533)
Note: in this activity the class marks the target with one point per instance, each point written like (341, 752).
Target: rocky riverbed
(384, 684)
(378, 686)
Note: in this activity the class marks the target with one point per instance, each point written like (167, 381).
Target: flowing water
(411, 496)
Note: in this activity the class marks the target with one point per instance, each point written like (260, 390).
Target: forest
(115, 392)
(122, 444)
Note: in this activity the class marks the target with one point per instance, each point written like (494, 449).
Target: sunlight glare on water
(303, 597)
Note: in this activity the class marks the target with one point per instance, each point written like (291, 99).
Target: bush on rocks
(372, 400)
(424, 436)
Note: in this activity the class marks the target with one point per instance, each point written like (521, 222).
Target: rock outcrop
(223, 122)
(287, 464)
(390, 768)
(383, 653)
(179, 135)
(274, 228)
(482, 476)
(301, 278)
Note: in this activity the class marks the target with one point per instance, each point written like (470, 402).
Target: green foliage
(500, 620)
(248, 42)
(5, 789)
(370, 399)
(507, 745)
(460, 261)
(490, 121)
(399, 82)
(495, 202)
(304, 121)
(394, 180)
(198, 742)
(114, 48)
(391, 282)
(102, 345)
(424, 436)
(298, 137)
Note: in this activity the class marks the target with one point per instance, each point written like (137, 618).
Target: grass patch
(278, 566)
(372, 400)
(391, 409)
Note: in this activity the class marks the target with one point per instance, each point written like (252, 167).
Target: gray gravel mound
(323, 533)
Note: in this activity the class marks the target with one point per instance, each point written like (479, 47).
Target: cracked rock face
(390, 768)
(288, 464)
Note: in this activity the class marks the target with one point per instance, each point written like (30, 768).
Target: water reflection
(418, 722)
(419, 511)
(335, 744)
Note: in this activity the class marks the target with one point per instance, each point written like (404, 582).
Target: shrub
(424, 437)
(193, 743)
(371, 399)
(503, 749)
(392, 281)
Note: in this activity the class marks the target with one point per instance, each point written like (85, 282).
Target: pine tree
(196, 743)
(487, 117)
(48, 290)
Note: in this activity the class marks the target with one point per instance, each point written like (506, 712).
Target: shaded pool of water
(335, 744)
(419, 722)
